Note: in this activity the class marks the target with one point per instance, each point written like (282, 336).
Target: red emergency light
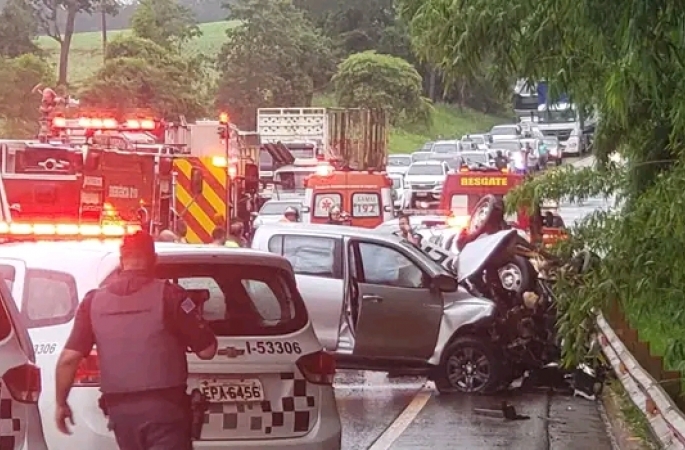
(103, 123)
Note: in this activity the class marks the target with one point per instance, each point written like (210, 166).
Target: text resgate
(483, 181)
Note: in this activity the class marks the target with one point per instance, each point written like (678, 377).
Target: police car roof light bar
(73, 231)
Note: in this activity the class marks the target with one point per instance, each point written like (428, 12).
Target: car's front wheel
(470, 365)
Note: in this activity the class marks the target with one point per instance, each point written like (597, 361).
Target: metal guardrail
(666, 420)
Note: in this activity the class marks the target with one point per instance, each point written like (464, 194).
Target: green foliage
(627, 62)
(18, 110)
(274, 58)
(18, 27)
(371, 80)
(138, 73)
(165, 22)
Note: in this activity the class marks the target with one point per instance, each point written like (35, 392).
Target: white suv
(20, 386)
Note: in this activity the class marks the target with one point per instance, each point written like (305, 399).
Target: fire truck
(216, 182)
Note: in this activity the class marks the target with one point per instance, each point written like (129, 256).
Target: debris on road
(507, 412)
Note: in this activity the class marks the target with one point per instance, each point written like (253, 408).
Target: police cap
(139, 243)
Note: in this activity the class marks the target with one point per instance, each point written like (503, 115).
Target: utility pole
(103, 25)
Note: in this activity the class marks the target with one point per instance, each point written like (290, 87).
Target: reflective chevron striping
(201, 211)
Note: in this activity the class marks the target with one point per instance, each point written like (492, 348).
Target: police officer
(142, 328)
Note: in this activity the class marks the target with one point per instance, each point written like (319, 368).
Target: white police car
(20, 424)
(270, 385)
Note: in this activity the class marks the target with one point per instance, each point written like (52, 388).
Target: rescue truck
(464, 189)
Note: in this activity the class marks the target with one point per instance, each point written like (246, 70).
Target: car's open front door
(398, 312)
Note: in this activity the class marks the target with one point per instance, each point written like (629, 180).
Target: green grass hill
(448, 121)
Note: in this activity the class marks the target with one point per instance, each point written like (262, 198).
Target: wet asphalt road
(373, 409)
(381, 413)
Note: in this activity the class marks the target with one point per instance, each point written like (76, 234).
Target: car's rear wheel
(471, 366)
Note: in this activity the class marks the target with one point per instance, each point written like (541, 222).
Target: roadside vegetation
(627, 62)
(268, 53)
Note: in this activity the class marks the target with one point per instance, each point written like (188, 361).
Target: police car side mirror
(196, 181)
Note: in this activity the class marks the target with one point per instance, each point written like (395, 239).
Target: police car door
(20, 425)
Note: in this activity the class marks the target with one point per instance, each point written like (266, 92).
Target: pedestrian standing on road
(181, 231)
(142, 327)
(219, 236)
(406, 230)
(335, 215)
(237, 234)
(291, 214)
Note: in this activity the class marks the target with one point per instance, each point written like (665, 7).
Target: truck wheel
(470, 365)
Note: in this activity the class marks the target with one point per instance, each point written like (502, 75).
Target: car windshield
(558, 115)
(504, 131)
(292, 181)
(479, 140)
(445, 148)
(475, 158)
(399, 161)
(507, 145)
(420, 156)
(277, 208)
(425, 169)
(427, 146)
(429, 262)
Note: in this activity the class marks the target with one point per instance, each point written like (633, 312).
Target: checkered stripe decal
(11, 427)
(292, 414)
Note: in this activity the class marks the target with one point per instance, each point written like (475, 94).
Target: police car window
(50, 298)
(5, 321)
(215, 307)
(324, 202)
(366, 204)
(385, 266)
(8, 274)
(244, 299)
(309, 255)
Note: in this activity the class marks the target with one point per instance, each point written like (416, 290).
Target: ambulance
(366, 195)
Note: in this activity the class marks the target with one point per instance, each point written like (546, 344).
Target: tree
(275, 58)
(49, 14)
(19, 110)
(165, 22)
(139, 74)
(372, 80)
(627, 63)
(18, 27)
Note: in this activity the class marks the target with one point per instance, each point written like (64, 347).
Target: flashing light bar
(96, 123)
(15, 229)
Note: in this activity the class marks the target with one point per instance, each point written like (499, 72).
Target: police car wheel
(470, 365)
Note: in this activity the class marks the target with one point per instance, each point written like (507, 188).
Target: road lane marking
(395, 430)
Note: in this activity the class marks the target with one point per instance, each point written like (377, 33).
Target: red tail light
(88, 372)
(23, 383)
(318, 368)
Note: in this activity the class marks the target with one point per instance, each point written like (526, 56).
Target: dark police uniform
(142, 328)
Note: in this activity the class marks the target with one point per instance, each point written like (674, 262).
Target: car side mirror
(445, 283)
